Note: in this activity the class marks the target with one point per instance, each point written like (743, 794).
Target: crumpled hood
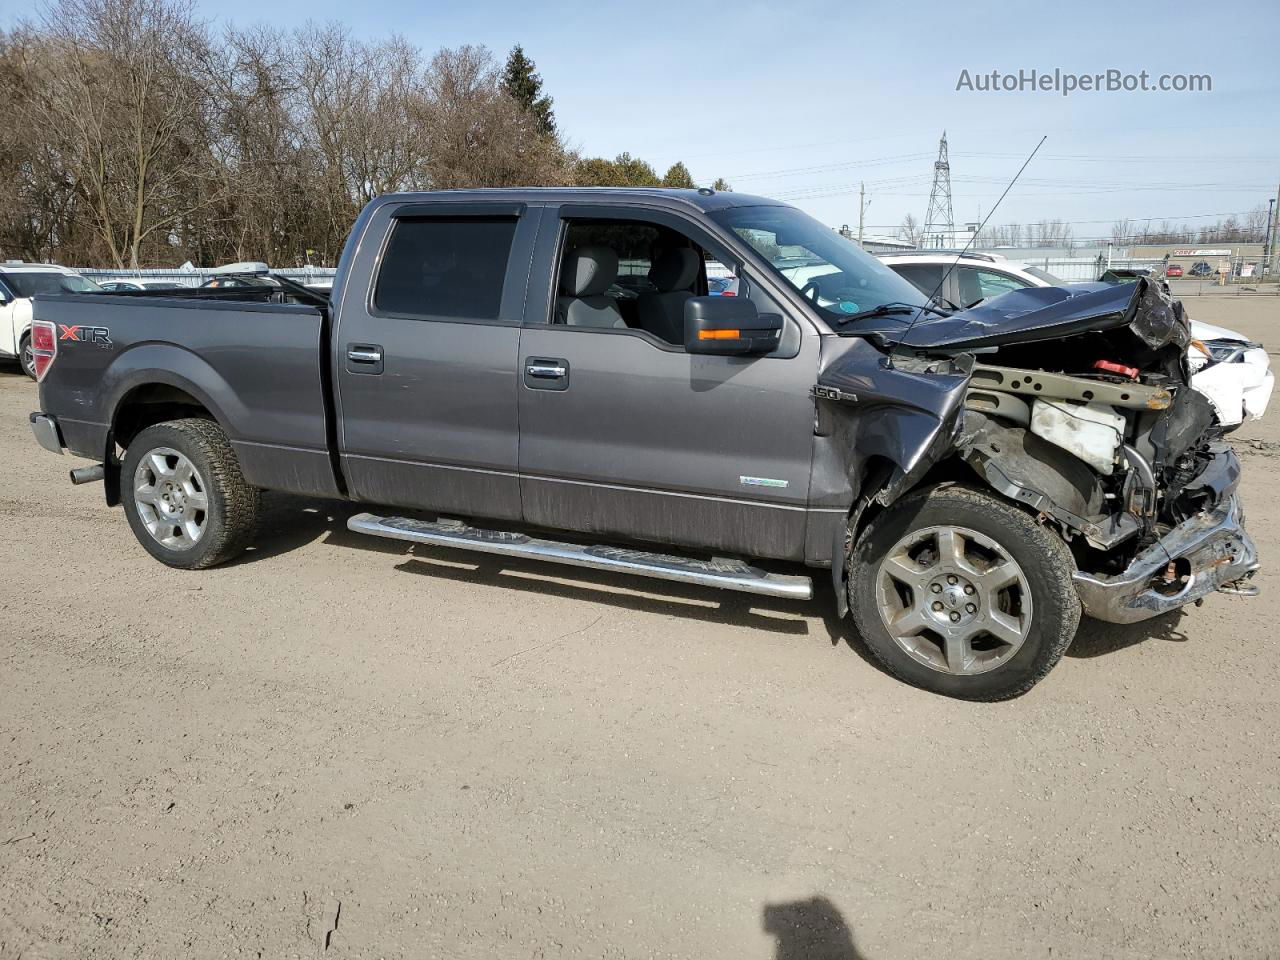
(1045, 313)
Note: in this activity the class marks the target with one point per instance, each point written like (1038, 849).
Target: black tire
(26, 359)
(1046, 565)
(230, 519)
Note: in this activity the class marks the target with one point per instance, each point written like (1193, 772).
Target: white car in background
(126, 284)
(1227, 367)
(19, 282)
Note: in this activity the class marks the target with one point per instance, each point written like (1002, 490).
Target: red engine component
(1117, 368)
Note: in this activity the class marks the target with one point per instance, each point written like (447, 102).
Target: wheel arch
(147, 399)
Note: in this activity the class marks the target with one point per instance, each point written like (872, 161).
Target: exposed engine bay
(1093, 407)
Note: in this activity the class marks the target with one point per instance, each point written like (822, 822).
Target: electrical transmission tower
(939, 221)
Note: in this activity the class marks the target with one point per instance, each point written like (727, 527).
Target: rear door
(425, 356)
(624, 434)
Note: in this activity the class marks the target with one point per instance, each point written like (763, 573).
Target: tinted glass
(445, 268)
(925, 277)
(31, 284)
(978, 285)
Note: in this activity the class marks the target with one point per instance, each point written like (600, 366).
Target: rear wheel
(27, 356)
(186, 499)
(960, 593)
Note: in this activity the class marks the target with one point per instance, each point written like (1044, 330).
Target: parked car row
(20, 281)
(122, 285)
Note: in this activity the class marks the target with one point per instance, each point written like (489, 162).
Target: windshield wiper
(886, 309)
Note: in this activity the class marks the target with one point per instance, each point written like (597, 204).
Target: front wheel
(961, 593)
(27, 356)
(186, 499)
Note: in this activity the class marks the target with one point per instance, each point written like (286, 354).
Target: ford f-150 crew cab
(541, 373)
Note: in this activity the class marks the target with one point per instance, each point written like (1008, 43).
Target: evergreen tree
(678, 176)
(623, 171)
(721, 185)
(523, 84)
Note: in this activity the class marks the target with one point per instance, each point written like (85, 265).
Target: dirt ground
(346, 747)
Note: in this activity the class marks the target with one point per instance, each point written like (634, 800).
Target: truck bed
(260, 367)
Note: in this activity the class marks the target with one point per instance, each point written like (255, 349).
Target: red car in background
(1173, 270)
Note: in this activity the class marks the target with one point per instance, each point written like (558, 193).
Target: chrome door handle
(545, 371)
(364, 356)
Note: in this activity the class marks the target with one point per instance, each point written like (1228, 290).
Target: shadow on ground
(1096, 638)
(810, 929)
(289, 523)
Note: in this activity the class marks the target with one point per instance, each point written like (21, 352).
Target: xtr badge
(84, 334)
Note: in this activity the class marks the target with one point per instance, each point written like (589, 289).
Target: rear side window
(925, 277)
(445, 268)
(978, 284)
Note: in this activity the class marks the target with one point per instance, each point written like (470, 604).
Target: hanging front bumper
(1217, 552)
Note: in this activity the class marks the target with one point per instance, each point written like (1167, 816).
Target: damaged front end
(1077, 402)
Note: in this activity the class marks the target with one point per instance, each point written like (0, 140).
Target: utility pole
(862, 208)
(1269, 251)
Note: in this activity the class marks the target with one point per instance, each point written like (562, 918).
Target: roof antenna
(973, 236)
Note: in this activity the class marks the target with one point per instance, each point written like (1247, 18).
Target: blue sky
(801, 100)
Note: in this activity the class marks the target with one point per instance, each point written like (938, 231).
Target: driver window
(629, 274)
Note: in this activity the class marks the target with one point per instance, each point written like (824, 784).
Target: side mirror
(729, 326)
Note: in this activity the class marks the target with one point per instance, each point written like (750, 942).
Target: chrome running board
(726, 574)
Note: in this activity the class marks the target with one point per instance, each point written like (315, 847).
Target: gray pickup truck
(543, 373)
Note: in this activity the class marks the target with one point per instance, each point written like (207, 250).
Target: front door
(426, 355)
(625, 434)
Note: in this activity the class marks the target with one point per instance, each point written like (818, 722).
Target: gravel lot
(346, 747)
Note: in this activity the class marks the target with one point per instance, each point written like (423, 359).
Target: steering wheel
(811, 285)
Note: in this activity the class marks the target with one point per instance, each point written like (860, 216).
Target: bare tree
(477, 134)
(909, 230)
(132, 135)
(117, 83)
(1049, 233)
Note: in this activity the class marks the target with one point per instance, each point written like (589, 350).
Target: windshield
(831, 271)
(29, 284)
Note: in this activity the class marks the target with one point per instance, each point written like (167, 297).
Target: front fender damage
(881, 425)
(1149, 508)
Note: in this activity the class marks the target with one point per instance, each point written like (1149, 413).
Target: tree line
(137, 135)
(1251, 228)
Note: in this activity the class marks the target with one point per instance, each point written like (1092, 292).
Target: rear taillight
(44, 346)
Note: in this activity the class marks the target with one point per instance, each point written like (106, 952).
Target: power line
(1066, 158)
(1135, 220)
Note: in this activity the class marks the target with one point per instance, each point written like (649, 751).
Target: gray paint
(436, 428)
(646, 441)
(255, 367)
(641, 440)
